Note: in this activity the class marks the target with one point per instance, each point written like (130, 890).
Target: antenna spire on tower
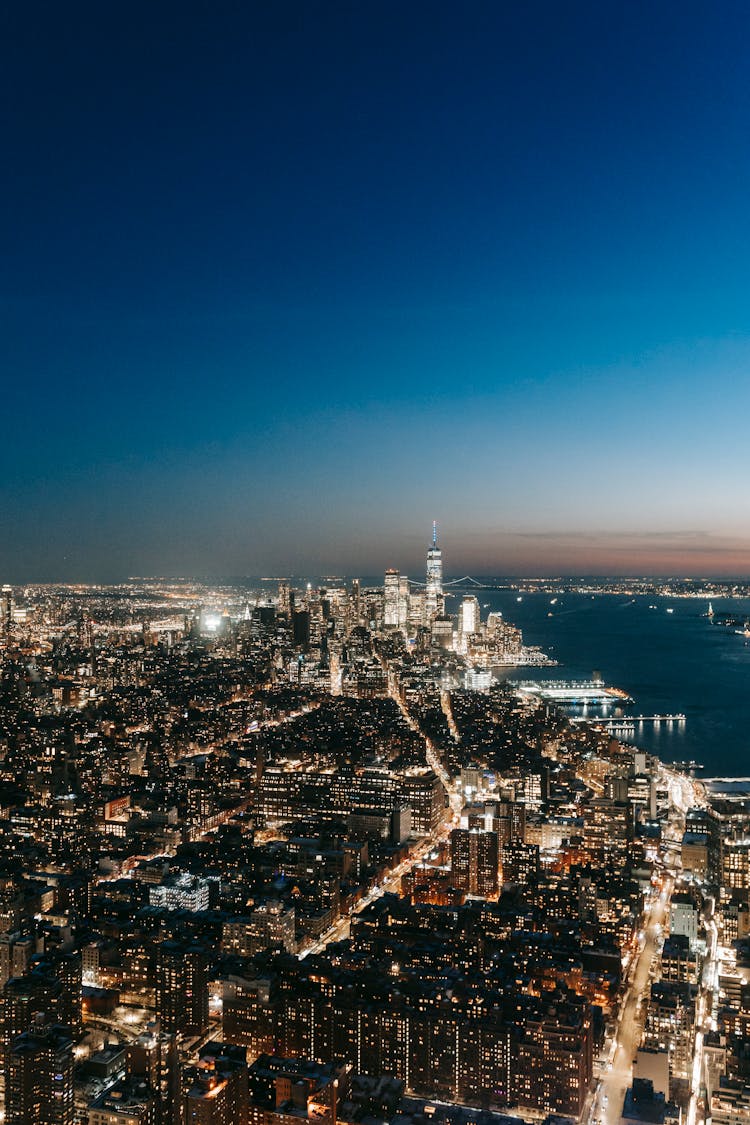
(434, 533)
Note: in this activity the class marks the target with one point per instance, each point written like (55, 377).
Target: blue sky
(284, 283)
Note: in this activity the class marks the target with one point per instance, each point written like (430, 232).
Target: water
(669, 663)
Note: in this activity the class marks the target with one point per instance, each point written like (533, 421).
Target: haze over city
(282, 285)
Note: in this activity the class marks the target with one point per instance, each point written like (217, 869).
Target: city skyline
(374, 563)
(308, 853)
(281, 285)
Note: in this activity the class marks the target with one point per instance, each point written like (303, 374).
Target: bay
(669, 662)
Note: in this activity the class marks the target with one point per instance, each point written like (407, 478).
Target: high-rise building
(301, 627)
(250, 1014)
(424, 794)
(39, 1078)
(295, 1089)
(468, 616)
(395, 600)
(285, 598)
(475, 861)
(605, 829)
(153, 1059)
(16, 951)
(519, 862)
(216, 1090)
(390, 599)
(30, 1001)
(269, 926)
(434, 585)
(403, 601)
(182, 987)
(356, 606)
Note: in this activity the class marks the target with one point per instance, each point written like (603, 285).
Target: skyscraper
(285, 598)
(434, 585)
(395, 600)
(468, 616)
(390, 599)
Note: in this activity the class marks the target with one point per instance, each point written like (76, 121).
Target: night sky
(282, 283)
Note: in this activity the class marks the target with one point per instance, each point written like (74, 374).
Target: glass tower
(434, 584)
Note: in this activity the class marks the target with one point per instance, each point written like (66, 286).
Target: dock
(628, 720)
(574, 693)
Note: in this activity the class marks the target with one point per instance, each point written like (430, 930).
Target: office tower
(442, 631)
(735, 866)
(284, 598)
(434, 584)
(395, 600)
(605, 829)
(182, 987)
(474, 861)
(356, 603)
(424, 794)
(301, 627)
(403, 601)
(390, 599)
(511, 822)
(468, 617)
(39, 1078)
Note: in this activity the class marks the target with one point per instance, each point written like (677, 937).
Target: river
(669, 662)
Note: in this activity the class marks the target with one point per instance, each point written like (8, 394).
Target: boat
(669, 609)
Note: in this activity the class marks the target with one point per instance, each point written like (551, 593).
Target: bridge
(467, 580)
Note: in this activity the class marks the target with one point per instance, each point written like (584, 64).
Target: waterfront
(668, 662)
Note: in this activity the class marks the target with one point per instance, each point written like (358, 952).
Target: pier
(628, 720)
(573, 693)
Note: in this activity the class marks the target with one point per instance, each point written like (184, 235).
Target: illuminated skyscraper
(285, 598)
(396, 600)
(390, 589)
(468, 618)
(434, 585)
